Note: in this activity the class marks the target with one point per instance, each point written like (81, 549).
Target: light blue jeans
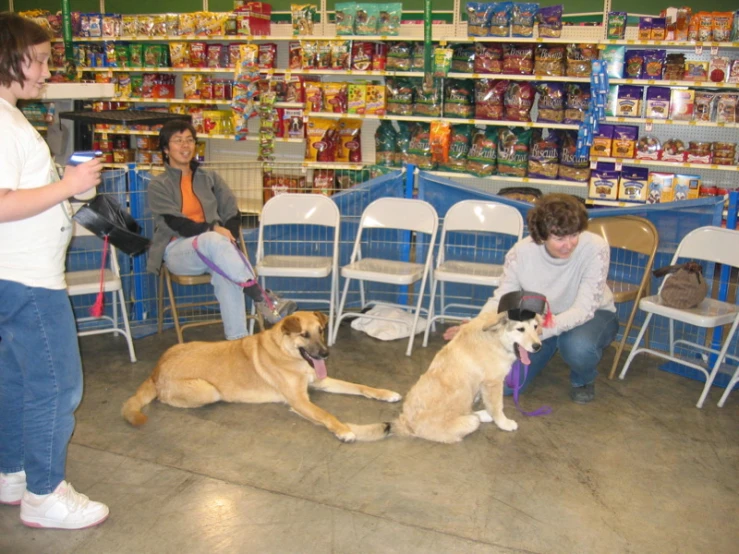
(40, 383)
(181, 258)
(581, 349)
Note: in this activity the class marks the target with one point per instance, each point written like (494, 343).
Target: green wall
(56, 5)
(4, 5)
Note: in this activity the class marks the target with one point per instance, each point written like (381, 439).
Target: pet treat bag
(513, 151)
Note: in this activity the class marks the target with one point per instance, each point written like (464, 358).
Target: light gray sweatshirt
(575, 287)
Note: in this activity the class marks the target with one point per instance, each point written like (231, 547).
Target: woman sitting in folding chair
(197, 221)
(570, 265)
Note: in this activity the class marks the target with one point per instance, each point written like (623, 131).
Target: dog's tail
(372, 432)
(145, 394)
(379, 431)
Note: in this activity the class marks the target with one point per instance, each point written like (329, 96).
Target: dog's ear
(322, 319)
(501, 321)
(291, 325)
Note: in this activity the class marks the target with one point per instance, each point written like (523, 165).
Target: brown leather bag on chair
(684, 287)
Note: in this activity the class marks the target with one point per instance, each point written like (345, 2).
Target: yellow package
(334, 97)
(313, 96)
(187, 24)
(376, 103)
(357, 98)
(192, 86)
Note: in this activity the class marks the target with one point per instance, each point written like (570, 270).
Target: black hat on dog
(523, 304)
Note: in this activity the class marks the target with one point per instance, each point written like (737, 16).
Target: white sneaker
(12, 487)
(64, 508)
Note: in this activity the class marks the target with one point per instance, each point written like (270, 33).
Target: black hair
(172, 128)
(18, 35)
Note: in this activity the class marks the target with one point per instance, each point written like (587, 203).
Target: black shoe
(279, 309)
(583, 395)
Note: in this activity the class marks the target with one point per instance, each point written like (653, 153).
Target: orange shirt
(191, 206)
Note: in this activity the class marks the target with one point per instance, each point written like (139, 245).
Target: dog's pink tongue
(525, 360)
(320, 367)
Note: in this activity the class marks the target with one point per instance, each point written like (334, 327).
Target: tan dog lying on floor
(276, 365)
(474, 363)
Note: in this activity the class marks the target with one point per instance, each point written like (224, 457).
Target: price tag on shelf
(651, 81)
(525, 179)
(475, 75)
(472, 121)
(442, 43)
(649, 125)
(668, 121)
(619, 165)
(714, 166)
(539, 39)
(699, 48)
(383, 37)
(593, 163)
(714, 49)
(720, 124)
(692, 123)
(630, 42)
(687, 165)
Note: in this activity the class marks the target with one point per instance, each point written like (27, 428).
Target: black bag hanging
(103, 216)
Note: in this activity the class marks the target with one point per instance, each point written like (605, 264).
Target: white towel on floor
(388, 330)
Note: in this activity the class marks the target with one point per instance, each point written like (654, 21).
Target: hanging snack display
(246, 78)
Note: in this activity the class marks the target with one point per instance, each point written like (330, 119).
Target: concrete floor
(640, 470)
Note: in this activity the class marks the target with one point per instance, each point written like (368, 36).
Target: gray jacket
(165, 198)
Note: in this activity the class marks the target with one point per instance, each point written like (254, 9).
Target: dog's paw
(346, 436)
(392, 396)
(484, 416)
(507, 424)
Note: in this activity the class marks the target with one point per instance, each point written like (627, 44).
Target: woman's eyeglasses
(179, 141)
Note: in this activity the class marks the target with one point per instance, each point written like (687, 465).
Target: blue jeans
(581, 348)
(181, 258)
(40, 383)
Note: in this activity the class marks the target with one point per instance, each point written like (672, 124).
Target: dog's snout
(536, 347)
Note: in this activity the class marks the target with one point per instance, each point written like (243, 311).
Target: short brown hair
(556, 214)
(17, 36)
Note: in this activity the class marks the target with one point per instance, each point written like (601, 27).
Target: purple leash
(212, 265)
(514, 382)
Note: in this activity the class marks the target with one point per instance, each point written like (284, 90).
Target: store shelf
(648, 121)
(665, 83)
(332, 165)
(173, 101)
(339, 72)
(200, 136)
(122, 117)
(453, 120)
(673, 165)
(158, 69)
(560, 182)
(77, 91)
(517, 40)
(505, 77)
(612, 203)
(670, 43)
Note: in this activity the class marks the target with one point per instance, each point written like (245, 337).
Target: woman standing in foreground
(40, 366)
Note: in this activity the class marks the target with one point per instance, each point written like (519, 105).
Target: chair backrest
(302, 209)
(299, 209)
(400, 213)
(627, 232)
(712, 244)
(484, 216)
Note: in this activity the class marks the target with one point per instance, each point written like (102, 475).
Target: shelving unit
(292, 149)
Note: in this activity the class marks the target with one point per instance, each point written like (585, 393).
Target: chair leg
(434, 284)
(622, 344)
(732, 383)
(332, 307)
(126, 325)
(341, 308)
(633, 352)
(409, 350)
(160, 302)
(173, 307)
(717, 365)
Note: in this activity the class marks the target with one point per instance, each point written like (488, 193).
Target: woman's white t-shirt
(32, 250)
